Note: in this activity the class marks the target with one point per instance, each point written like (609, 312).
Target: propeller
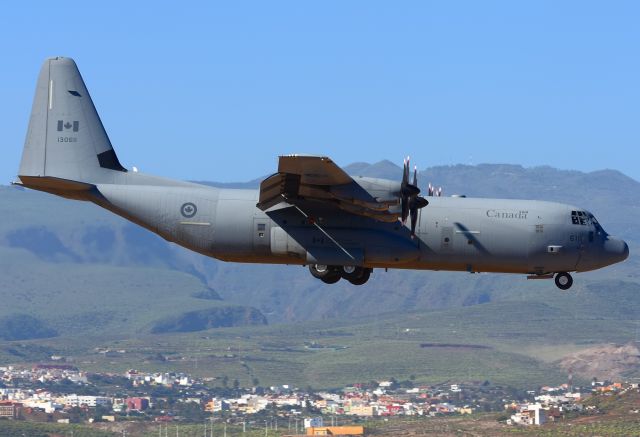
(415, 203)
(410, 199)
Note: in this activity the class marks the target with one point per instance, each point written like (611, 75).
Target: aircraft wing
(318, 179)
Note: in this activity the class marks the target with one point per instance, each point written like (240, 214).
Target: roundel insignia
(188, 210)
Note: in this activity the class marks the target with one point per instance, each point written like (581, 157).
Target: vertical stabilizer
(66, 139)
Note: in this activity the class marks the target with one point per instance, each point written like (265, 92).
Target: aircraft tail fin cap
(66, 138)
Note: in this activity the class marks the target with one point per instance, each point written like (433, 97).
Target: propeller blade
(409, 199)
(414, 221)
(405, 210)
(421, 202)
(405, 191)
(410, 190)
(405, 172)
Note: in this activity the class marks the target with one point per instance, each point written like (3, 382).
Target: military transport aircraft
(308, 213)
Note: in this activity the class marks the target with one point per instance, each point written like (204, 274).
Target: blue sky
(216, 91)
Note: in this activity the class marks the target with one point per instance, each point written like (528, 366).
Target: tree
(100, 411)
(77, 415)
(394, 384)
(191, 411)
(309, 408)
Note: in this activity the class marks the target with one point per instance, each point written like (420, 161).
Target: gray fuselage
(453, 233)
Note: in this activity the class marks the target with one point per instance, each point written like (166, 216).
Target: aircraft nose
(618, 250)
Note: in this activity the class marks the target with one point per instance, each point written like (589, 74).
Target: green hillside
(512, 343)
(96, 299)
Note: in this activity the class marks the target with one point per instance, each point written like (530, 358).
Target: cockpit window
(580, 218)
(596, 224)
(584, 218)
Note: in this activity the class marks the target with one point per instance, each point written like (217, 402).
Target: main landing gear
(564, 281)
(332, 274)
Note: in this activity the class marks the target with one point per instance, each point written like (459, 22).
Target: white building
(530, 414)
(313, 422)
(89, 401)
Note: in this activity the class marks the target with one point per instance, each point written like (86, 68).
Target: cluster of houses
(553, 402)
(23, 393)
(171, 379)
(382, 400)
(352, 401)
(42, 373)
(20, 396)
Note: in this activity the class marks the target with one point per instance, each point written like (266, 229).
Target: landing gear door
(538, 241)
(261, 235)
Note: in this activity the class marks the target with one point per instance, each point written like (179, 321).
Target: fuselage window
(261, 229)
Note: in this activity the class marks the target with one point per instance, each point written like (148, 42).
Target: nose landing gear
(563, 280)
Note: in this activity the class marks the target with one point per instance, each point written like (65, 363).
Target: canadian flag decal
(66, 125)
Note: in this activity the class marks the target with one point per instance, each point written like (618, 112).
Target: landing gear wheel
(351, 273)
(327, 274)
(364, 277)
(564, 281)
(331, 278)
(318, 270)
